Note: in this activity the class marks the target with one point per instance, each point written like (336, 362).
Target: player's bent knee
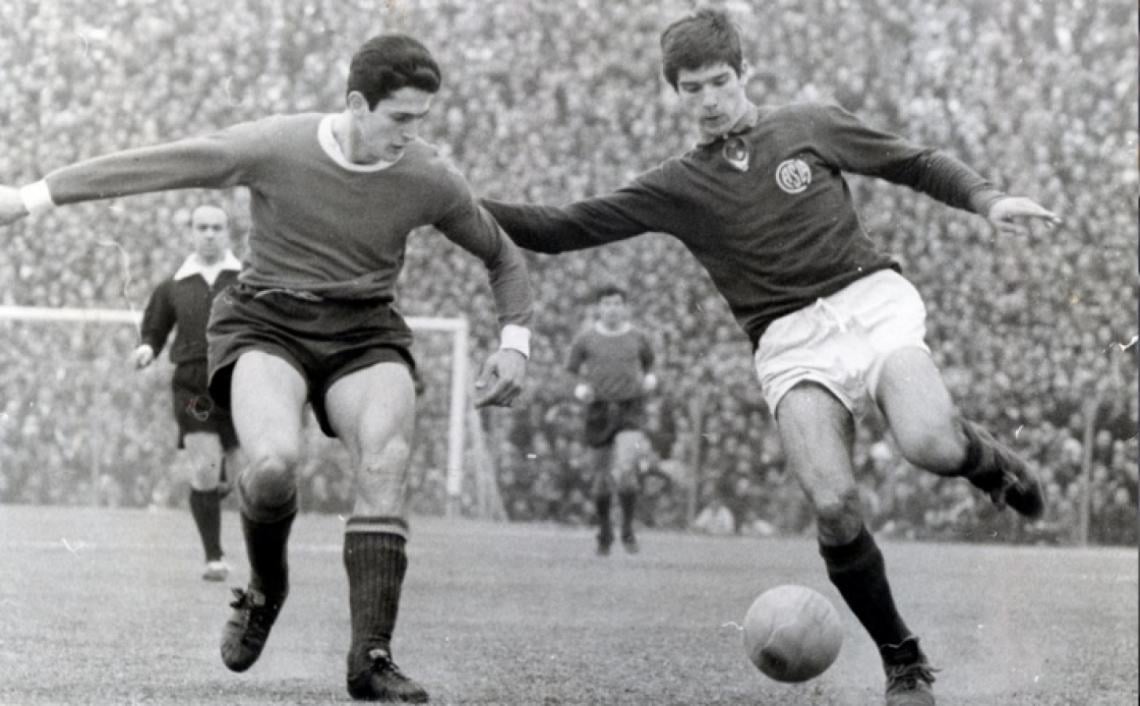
(205, 476)
(838, 514)
(269, 487)
(939, 450)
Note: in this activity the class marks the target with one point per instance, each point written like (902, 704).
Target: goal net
(79, 425)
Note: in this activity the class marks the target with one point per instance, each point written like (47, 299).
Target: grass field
(106, 607)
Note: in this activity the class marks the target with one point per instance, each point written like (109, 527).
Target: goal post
(457, 328)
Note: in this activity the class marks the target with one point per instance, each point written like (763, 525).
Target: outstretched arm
(220, 160)
(644, 206)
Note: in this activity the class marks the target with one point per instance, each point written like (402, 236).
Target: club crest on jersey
(736, 153)
(793, 176)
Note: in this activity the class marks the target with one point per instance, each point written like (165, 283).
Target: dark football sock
(265, 544)
(628, 501)
(376, 564)
(975, 451)
(205, 508)
(858, 571)
(602, 505)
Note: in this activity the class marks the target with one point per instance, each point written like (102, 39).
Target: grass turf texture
(106, 606)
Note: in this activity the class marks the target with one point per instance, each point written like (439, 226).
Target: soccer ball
(792, 634)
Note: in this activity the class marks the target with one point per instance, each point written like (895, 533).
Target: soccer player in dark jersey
(762, 203)
(613, 360)
(205, 431)
(333, 199)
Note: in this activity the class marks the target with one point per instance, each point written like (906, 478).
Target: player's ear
(745, 70)
(356, 102)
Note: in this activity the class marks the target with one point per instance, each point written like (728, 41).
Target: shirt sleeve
(220, 160)
(577, 356)
(470, 226)
(645, 352)
(159, 317)
(853, 146)
(643, 206)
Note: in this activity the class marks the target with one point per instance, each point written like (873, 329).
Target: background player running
(613, 359)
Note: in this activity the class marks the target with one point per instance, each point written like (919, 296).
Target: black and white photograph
(583, 352)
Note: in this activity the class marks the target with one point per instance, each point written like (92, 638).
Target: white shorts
(841, 341)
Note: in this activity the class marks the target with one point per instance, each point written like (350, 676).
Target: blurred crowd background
(549, 101)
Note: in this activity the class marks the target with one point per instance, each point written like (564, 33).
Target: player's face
(714, 96)
(209, 229)
(612, 310)
(383, 133)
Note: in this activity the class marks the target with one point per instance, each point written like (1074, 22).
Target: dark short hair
(388, 62)
(702, 38)
(611, 290)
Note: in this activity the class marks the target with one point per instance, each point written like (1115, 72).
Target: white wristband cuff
(516, 338)
(37, 198)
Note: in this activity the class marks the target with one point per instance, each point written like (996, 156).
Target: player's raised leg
(267, 395)
(373, 411)
(931, 435)
(205, 456)
(817, 433)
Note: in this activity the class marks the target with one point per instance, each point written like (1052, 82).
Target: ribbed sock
(376, 564)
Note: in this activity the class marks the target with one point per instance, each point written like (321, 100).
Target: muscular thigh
(817, 432)
(267, 395)
(372, 411)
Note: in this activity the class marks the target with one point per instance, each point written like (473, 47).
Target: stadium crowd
(550, 101)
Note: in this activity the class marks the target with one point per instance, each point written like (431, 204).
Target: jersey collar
(193, 265)
(332, 148)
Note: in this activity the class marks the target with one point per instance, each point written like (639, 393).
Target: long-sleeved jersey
(613, 362)
(319, 223)
(766, 210)
(184, 301)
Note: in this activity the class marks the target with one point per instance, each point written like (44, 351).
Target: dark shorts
(323, 340)
(194, 409)
(604, 419)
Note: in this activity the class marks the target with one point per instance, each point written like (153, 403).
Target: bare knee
(269, 480)
(205, 473)
(940, 449)
(838, 514)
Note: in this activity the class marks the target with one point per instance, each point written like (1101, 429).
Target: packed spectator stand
(550, 101)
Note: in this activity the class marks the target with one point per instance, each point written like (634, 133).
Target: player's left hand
(501, 380)
(1008, 214)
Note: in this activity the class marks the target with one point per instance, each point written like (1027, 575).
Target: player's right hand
(584, 393)
(11, 205)
(143, 356)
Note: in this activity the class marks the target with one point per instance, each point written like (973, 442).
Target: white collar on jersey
(601, 328)
(332, 148)
(193, 265)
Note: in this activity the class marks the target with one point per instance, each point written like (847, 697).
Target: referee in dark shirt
(204, 430)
